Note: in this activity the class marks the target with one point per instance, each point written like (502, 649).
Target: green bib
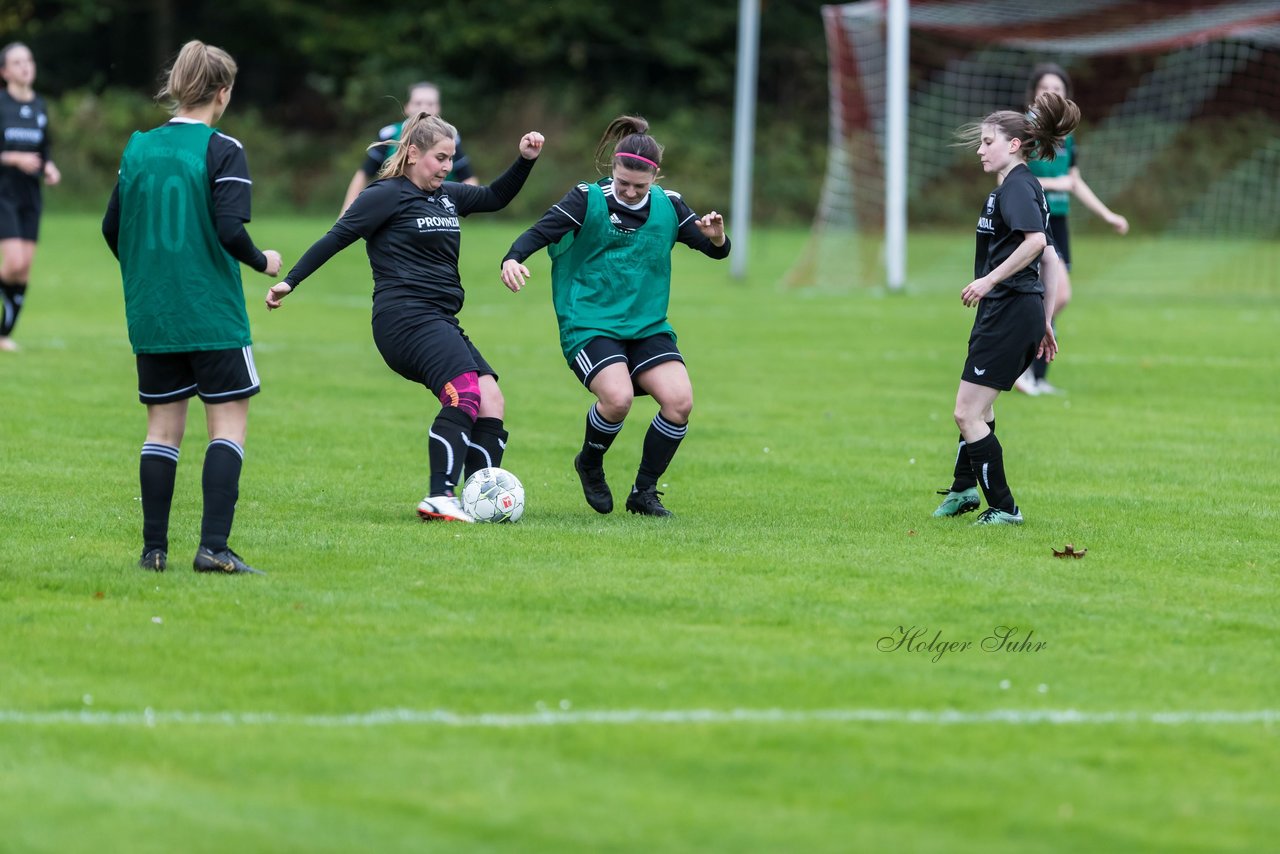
(1059, 167)
(610, 283)
(182, 289)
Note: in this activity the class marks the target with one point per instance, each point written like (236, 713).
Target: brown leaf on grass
(99, 595)
(1069, 551)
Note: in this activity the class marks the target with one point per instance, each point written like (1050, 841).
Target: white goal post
(1156, 82)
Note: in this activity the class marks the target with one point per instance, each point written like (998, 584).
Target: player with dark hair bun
(610, 244)
(1012, 296)
(1061, 180)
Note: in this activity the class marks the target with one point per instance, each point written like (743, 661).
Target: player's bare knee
(614, 404)
(492, 403)
(678, 409)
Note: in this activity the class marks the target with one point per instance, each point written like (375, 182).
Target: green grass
(821, 428)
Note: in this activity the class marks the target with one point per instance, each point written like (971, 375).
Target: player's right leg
(166, 385)
(602, 368)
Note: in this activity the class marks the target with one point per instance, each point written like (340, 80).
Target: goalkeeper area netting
(1180, 102)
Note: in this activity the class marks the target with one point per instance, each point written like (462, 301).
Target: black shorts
(1060, 237)
(218, 376)
(426, 348)
(20, 207)
(639, 355)
(1006, 334)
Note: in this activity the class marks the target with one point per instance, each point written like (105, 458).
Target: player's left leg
(220, 482)
(488, 440)
(16, 257)
(226, 379)
(975, 408)
(670, 386)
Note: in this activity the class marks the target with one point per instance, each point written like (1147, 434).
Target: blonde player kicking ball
(411, 222)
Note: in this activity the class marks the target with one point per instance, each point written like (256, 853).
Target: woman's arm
(1032, 244)
(1093, 203)
(498, 195)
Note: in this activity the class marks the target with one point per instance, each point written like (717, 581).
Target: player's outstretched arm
(1093, 203)
(276, 294)
(514, 275)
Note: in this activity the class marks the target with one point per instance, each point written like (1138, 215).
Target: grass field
(714, 682)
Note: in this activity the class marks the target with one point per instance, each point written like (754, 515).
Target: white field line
(633, 717)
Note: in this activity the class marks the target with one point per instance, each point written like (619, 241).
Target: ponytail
(628, 137)
(1041, 129)
(422, 131)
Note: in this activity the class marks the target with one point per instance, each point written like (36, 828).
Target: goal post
(1180, 130)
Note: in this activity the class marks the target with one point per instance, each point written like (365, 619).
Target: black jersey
(1015, 208)
(568, 214)
(25, 125)
(413, 237)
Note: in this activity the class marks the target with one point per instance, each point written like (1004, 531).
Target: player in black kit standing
(409, 219)
(1012, 325)
(24, 162)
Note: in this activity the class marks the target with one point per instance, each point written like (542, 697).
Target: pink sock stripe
(637, 157)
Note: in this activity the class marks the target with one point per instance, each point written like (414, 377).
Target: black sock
(599, 436)
(660, 444)
(487, 444)
(964, 478)
(223, 460)
(447, 449)
(14, 294)
(157, 470)
(988, 463)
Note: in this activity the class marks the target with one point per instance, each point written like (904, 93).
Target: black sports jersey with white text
(569, 213)
(413, 237)
(25, 127)
(1015, 208)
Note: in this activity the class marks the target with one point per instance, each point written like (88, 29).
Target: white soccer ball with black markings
(493, 495)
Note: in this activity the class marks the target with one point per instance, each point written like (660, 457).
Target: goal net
(1180, 103)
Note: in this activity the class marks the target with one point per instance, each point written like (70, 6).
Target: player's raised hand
(712, 226)
(276, 294)
(513, 275)
(531, 145)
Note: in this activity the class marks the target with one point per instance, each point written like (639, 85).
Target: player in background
(1013, 323)
(424, 97)
(610, 245)
(1061, 179)
(176, 223)
(25, 161)
(409, 219)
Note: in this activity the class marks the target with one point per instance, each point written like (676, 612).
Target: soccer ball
(493, 495)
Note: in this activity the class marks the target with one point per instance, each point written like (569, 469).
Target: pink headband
(637, 157)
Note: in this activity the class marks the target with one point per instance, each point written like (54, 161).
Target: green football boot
(996, 516)
(958, 503)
